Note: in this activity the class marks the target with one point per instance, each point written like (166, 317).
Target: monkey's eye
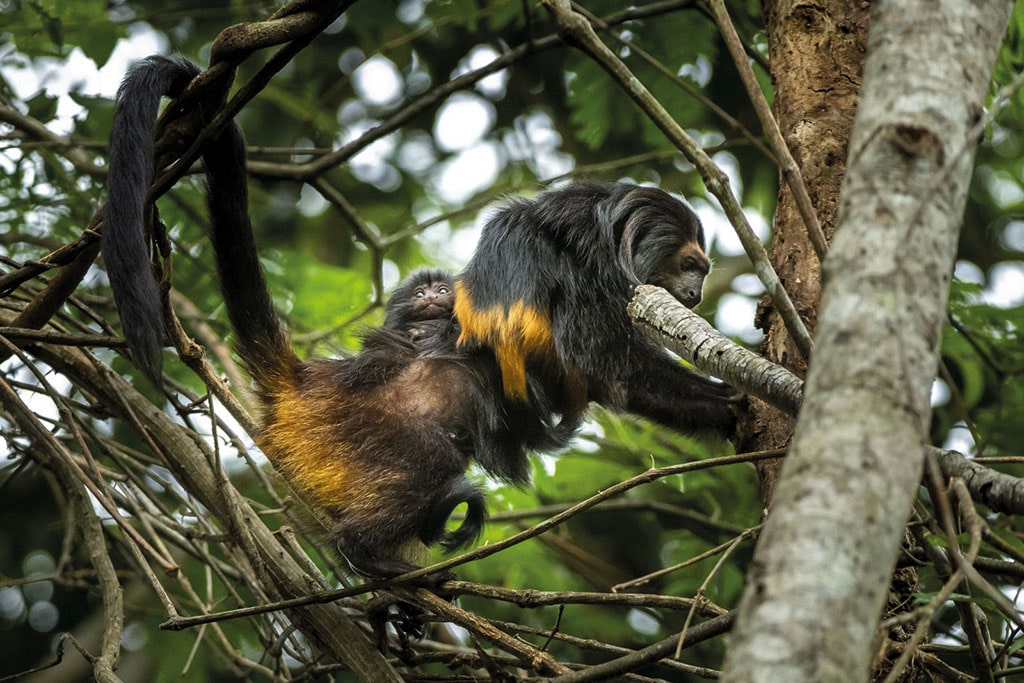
(692, 265)
(443, 289)
(419, 293)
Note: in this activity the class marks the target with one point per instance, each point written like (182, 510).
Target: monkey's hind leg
(378, 550)
(408, 619)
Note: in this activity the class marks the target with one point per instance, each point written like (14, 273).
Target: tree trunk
(821, 570)
(817, 55)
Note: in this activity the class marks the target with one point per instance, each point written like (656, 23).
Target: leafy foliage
(981, 349)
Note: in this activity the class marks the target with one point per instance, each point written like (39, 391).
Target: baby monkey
(422, 305)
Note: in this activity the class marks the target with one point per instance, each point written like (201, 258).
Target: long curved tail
(124, 242)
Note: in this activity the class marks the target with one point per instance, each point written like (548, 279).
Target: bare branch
(661, 318)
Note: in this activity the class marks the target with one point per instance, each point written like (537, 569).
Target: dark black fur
(126, 230)
(496, 432)
(575, 255)
(501, 432)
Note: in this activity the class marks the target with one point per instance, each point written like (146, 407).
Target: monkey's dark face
(431, 300)
(682, 273)
(424, 295)
(662, 243)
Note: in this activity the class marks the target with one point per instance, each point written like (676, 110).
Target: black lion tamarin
(546, 291)
(378, 456)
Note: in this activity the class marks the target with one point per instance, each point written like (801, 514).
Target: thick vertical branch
(810, 607)
(817, 52)
(787, 164)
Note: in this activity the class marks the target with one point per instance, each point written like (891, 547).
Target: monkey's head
(424, 295)
(662, 243)
(432, 300)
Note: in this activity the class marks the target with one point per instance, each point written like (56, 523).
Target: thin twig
(484, 551)
(790, 169)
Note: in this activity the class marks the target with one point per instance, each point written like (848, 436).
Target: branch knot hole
(917, 141)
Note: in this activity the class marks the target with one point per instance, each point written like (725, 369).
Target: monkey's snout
(690, 297)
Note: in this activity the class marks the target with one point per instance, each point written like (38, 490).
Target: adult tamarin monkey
(546, 291)
(378, 456)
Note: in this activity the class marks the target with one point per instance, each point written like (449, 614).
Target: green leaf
(325, 296)
(601, 109)
(463, 12)
(42, 107)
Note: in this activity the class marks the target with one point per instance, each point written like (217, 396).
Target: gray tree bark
(810, 608)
